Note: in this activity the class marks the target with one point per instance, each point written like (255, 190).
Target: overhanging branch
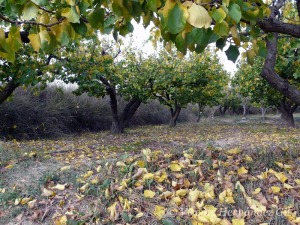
(270, 26)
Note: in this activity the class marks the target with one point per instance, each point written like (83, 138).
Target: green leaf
(30, 11)
(71, 2)
(234, 11)
(14, 39)
(221, 43)
(221, 29)
(201, 36)
(174, 17)
(40, 2)
(71, 14)
(180, 43)
(219, 15)
(80, 28)
(127, 28)
(250, 56)
(232, 53)
(153, 5)
(296, 75)
(96, 18)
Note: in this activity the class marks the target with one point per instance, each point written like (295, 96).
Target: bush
(55, 111)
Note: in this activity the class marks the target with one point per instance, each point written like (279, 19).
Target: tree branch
(269, 25)
(8, 20)
(269, 74)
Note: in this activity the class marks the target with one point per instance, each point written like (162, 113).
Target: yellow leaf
(297, 181)
(181, 192)
(10, 166)
(161, 178)
(61, 221)
(99, 168)
(159, 212)
(281, 176)
(242, 170)
(194, 195)
(25, 201)
(175, 167)
(149, 194)
(31, 204)
(79, 197)
(47, 192)
(275, 189)
(226, 196)
(112, 211)
(209, 191)
(88, 174)
(141, 163)
(234, 151)
(248, 158)
(17, 201)
(238, 222)
(284, 166)
(176, 200)
(95, 180)
(256, 191)
(60, 187)
(84, 187)
(148, 176)
(166, 194)
(120, 164)
(256, 206)
(198, 15)
(287, 186)
(65, 168)
(139, 215)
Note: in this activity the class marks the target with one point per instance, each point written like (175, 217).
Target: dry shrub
(56, 111)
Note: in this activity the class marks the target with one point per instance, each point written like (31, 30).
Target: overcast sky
(141, 35)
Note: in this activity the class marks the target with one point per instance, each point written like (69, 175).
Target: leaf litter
(175, 176)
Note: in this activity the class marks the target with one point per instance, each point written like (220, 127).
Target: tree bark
(223, 110)
(200, 111)
(174, 115)
(8, 90)
(287, 110)
(129, 111)
(269, 74)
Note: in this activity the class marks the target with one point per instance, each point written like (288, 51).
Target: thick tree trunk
(223, 110)
(269, 74)
(8, 90)
(174, 115)
(287, 110)
(129, 111)
(116, 127)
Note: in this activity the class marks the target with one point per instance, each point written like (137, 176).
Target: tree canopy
(253, 25)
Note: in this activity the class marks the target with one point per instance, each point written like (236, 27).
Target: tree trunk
(129, 111)
(287, 110)
(213, 111)
(223, 110)
(8, 90)
(244, 110)
(174, 115)
(263, 112)
(269, 74)
(116, 127)
(200, 111)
